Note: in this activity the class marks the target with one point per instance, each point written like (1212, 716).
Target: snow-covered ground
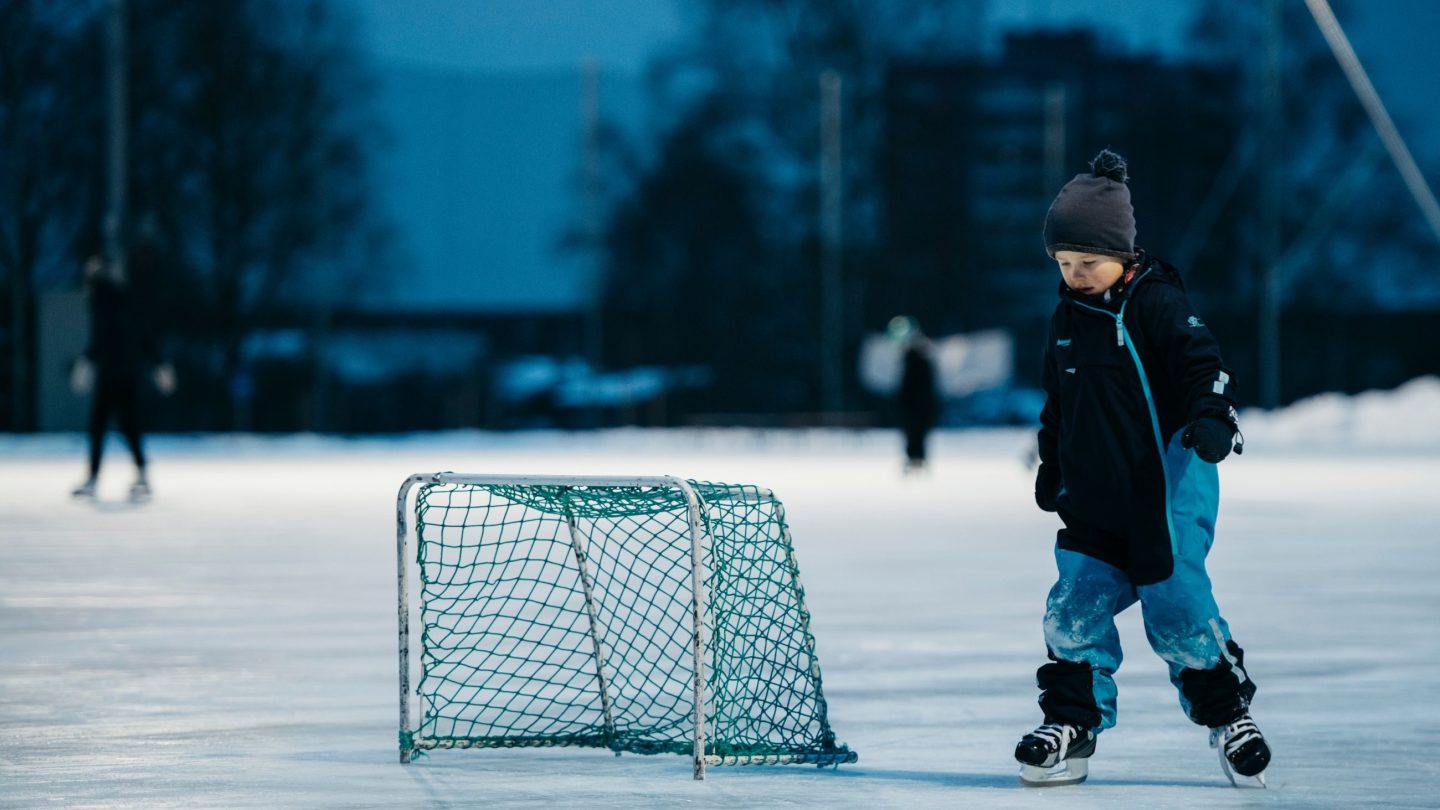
(232, 643)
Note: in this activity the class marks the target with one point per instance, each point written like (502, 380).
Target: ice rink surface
(232, 643)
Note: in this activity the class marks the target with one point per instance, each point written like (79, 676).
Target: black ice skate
(1243, 752)
(1055, 754)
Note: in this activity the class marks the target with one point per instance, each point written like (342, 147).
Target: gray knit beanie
(1092, 213)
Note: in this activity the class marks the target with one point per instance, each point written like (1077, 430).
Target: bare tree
(48, 126)
(249, 137)
(255, 160)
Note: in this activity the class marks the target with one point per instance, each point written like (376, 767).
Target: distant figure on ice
(919, 405)
(1139, 410)
(114, 366)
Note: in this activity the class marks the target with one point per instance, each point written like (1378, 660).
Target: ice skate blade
(1236, 780)
(1069, 772)
(1256, 782)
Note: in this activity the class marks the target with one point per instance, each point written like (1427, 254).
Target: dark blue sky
(520, 35)
(1395, 38)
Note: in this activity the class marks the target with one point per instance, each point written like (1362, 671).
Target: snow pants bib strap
(1182, 621)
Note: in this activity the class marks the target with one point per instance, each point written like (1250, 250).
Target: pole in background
(594, 334)
(117, 124)
(1270, 200)
(1379, 116)
(832, 360)
(1054, 163)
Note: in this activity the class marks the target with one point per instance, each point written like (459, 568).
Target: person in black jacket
(1140, 408)
(917, 399)
(115, 364)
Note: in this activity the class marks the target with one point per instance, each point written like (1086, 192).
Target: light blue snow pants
(1182, 621)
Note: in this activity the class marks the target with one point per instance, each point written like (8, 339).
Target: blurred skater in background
(919, 405)
(119, 359)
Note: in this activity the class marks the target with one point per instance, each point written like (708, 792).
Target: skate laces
(1057, 736)
(1234, 735)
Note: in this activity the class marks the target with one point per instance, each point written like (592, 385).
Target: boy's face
(1089, 273)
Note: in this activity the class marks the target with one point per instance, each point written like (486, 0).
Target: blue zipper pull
(1119, 330)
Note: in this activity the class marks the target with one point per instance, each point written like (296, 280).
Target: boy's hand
(1211, 437)
(1047, 486)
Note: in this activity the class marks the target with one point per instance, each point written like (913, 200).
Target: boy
(1140, 409)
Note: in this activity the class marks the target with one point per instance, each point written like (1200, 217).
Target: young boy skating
(1140, 409)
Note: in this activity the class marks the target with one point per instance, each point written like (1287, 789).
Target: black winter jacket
(918, 400)
(121, 347)
(1122, 378)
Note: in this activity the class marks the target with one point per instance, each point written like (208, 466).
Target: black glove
(1047, 486)
(1211, 436)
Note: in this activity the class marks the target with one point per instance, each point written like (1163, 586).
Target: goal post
(639, 614)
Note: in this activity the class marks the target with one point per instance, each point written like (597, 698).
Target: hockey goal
(642, 615)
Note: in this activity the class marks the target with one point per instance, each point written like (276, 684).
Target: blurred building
(481, 176)
(483, 179)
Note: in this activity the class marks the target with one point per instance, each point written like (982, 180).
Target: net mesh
(562, 615)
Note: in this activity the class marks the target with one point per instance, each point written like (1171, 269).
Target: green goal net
(555, 611)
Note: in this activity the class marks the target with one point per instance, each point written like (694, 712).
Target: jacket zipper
(1119, 317)
(1159, 439)
(1149, 404)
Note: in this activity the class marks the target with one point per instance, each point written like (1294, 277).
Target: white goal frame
(698, 601)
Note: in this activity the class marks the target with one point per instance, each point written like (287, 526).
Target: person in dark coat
(917, 400)
(1140, 408)
(114, 367)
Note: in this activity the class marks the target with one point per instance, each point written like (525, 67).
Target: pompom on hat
(1092, 213)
